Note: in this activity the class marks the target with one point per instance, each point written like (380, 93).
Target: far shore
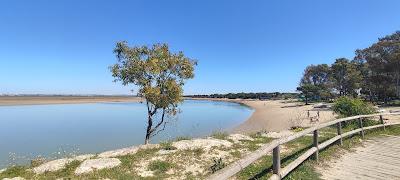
(269, 115)
(43, 100)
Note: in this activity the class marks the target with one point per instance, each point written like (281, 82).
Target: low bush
(347, 106)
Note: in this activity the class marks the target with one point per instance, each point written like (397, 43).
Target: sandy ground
(281, 115)
(277, 115)
(34, 100)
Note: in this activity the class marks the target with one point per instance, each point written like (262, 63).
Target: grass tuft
(220, 135)
(160, 166)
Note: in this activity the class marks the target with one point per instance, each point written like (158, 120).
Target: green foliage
(316, 83)
(242, 95)
(347, 106)
(382, 62)
(15, 171)
(217, 165)
(160, 166)
(346, 77)
(159, 75)
(374, 73)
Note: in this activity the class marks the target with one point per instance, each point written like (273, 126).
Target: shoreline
(275, 115)
(268, 115)
(48, 100)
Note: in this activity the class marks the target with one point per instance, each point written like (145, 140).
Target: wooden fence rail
(280, 172)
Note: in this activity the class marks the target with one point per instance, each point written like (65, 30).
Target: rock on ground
(59, 164)
(97, 164)
(126, 151)
(15, 178)
(277, 135)
(205, 144)
(236, 138)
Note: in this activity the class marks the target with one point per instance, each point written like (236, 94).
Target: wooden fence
(280, 172)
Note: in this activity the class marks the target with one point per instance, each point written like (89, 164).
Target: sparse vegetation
(180, 138)
(160, 166)
(179, 160)
(149, 160)
(167, 145)
(219, 135)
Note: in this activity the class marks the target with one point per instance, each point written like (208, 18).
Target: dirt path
(378, 158)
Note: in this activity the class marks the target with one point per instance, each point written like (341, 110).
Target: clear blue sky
(66, 46)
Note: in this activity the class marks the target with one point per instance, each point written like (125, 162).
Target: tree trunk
(148, 132)
(306, 100)
(398, 85)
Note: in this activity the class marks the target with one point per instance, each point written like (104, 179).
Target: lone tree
(159, 75)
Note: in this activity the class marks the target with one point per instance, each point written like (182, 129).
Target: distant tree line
(263, 95)
(374, 74)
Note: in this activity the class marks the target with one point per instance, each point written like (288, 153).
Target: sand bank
(37, 100)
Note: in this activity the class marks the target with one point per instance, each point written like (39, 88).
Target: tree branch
(160, 123)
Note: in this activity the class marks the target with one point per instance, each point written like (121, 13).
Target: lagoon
(56, 131)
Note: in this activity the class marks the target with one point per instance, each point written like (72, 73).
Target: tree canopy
(373, 73)
(159, 74)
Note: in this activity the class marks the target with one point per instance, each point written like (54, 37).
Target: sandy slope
(280, 115)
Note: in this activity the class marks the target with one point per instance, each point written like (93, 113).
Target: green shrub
(347, 106)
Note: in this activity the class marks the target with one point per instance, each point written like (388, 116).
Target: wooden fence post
(339, 132)
(276, 161)
(315, 139)
(382, 122)
(360, 121)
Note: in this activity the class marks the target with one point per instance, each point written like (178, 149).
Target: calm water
(54, 131)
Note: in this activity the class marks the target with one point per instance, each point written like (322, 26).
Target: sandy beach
(277, 115)
(37, 100)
